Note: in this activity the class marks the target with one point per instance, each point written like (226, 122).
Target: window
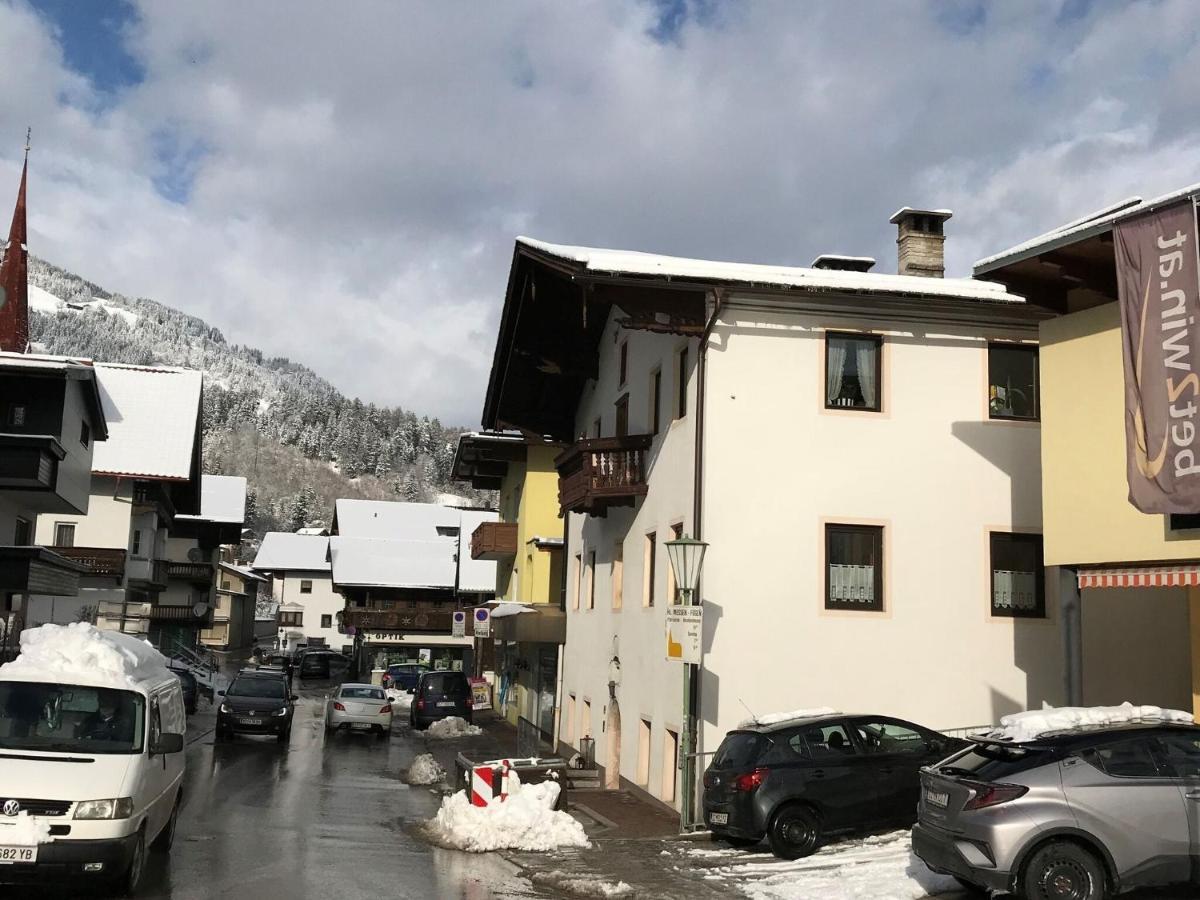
(136, 549)
(306, 586)
(23, 534)
(672, 587)
(327, 621)
(648, 571)
(591, 580)
(224, 584)
(64, 534)
(854, 567)
(291, 619)
(623, 416)
(446, 530)
(624, 362)
(681, 376)
(618, 575)
(655, 405)
(1181, 754)
(1012, 382)
(85, 433)
(853, 371)
(890, 737)
(1018, 575)
(578, 580)
(1126, 759)
(16, 415)
(828, 742)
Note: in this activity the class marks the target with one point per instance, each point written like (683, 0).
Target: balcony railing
(405, 620)
(599, 473)
(190, 571)
(101, 562)
(181, 614)
(494, 540)
(151, 571)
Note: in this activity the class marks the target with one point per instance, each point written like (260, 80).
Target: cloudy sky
(341, 183)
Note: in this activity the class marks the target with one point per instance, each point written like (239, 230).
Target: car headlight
(225, 709)
(121, 808)
(282, 711)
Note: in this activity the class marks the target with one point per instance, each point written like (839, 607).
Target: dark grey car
(440, 695)
(1078, 815)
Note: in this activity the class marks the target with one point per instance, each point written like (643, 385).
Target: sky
(343, 183)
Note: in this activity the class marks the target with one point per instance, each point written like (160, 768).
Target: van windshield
(70, 718)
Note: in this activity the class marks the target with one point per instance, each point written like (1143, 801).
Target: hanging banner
(1158, 285)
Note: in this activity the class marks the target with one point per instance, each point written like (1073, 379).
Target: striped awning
(1141, 576)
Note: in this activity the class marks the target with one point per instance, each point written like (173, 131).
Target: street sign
(459, 626)
(483, 622)
(685, 628)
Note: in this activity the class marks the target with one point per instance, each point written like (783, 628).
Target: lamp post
(687, 558)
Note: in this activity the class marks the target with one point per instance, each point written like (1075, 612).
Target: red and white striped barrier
(489, 783)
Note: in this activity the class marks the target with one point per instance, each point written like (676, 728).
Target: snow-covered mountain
(367, 450)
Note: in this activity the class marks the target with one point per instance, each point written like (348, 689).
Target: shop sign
(481, 693)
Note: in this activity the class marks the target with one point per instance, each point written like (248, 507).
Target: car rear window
(738, 750)
(362, 693)
(990, 762)
(446, 684)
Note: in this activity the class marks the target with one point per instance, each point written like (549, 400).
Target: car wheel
(1063, 870)
(128, 881)
(166, 837)
(795, 832)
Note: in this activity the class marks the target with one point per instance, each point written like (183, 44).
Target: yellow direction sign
(685, 630)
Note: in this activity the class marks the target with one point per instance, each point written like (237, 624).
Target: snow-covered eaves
(241, 571)
(475, 575)
(388, 520)
(371, 562)
(546, 543)
(674, 268)
(222, 499)
(153, 416)
(1099, 222)
(282, 551)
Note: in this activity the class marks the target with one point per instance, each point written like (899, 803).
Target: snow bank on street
(83, 653)
(880, 867)
(425, 770)
(775, 718)
(1027, 726)
(401, 700)
(452, 727)
(527, 820)
(24, 831)
(581, 885)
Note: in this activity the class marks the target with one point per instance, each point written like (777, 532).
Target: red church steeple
(14, 277)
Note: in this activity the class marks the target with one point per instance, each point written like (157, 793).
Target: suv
(797, 780)
(403, 676)
(1083, 814)
(256, 702)
(440, 695)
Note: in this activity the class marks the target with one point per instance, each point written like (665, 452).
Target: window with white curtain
(1018, 575)
(853, 371)
(854, 567)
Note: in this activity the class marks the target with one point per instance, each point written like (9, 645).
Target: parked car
(256, 702)
(322, 664)
(797, 781)
(191, 689)
(1082, 814)
(359, 706)
(403, 676)
(440, 695)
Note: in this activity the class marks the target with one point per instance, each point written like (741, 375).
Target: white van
(91, 756)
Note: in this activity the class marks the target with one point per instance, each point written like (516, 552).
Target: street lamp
(687, 558)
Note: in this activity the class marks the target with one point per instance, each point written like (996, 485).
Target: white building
(849, 444)
(302, 584)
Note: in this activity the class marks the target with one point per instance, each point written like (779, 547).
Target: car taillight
(339, 707)
(420, 704)
(985, 795)
(751, 780)
(386, 709)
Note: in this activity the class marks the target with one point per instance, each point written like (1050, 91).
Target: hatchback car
(440, 695)
(323, 664)
(1081, 814)
(797, 781)
(403, 676)
(359, 706)
(256, 702)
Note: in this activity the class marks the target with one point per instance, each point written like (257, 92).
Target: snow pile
(776, 718)
(400, 700)
(24, 831)
(1028, 726)
(527, 820)
(581, 885)
(82, 652)
(425, 770)
(452, 727)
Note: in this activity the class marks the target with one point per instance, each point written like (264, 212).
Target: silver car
(1079, 815)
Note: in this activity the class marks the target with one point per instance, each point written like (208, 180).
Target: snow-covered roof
(314, 529)
(371, 562)
(506, 608)
(1098, 222)
(81, 653)
(222, 499)
(242, 571)
(282, 551)
(632, 262)
(153, 416)
(475, 574)
(40, 362)
(388, 520)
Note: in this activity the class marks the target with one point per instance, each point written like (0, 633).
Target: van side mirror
(168, 742)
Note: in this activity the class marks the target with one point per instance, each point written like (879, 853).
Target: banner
(1159, 293)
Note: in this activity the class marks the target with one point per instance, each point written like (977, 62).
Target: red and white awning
(1141, 576)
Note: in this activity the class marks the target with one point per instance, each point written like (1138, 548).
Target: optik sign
(1158, 284)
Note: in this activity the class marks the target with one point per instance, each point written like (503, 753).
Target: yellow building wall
(1087, 516)
(529, 493)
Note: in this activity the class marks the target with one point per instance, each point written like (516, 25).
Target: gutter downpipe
(690, 749)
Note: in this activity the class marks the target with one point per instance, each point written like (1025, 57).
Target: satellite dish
(199, 608)
(196, 555)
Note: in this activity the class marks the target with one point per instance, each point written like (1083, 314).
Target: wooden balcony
(599, 473)
(494, 540)
(184, 614)
(401, 620)
(29, 461)
(199, 572)
(99, 562)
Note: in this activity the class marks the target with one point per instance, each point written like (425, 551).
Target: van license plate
(10, 855)
(939, 799)
(446, 703)
(718, 819)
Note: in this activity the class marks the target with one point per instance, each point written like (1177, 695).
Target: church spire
(14, 276)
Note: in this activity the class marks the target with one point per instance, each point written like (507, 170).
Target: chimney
(840, 263)
(919, 241)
